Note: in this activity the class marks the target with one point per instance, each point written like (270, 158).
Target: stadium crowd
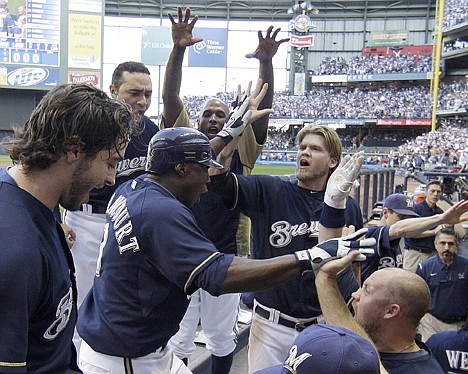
(456, 12)
(427, 151)
(374, 64)
(436, 148)
(358, 102)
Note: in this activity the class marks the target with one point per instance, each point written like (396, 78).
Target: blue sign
(156, 45)
(33, 76)
(212, 51)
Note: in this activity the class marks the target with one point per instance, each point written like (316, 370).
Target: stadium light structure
(300, 27)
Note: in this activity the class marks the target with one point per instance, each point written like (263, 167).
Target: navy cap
(322, 349)
(401, 204)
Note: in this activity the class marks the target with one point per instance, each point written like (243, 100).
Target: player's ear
(333, 163)
(114, 91)
(391, 311)
(385, 212)
(181, 169)
(74, 148)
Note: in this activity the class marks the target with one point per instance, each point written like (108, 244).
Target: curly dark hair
(70, 115)
(129, 66)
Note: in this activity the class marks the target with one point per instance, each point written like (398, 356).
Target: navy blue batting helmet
(178, 144)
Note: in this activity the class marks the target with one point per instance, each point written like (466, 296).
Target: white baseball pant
(269, 342)
(163, 361)
(88, 228)
(218, 317)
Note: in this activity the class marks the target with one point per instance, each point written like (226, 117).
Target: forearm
(266, 75)
(333, 306)
(245, 275)
(225, 185)
(260, 126)
(217, 144)
(171, 87)
(415, 227)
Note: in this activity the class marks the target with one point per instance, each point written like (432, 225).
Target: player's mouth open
(213, 130)
(304, 163)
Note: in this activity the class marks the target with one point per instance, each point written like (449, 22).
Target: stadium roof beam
(273, 10)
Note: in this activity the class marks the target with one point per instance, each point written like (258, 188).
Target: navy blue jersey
(387, 252)
(448, 286)
(132, 165)
(423, 244)
(450, 349)
(37, 293)
(149, 262)
(419, 362)
(217, 221)
(285, 219)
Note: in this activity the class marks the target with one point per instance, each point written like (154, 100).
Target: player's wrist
(311, 259)
(332, 217)
(303, 260)
(224, 136)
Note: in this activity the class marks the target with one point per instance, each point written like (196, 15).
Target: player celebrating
(285, 216)
(74, 137)
(226, 228)
(151, 260)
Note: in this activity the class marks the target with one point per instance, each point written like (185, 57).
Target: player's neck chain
(407, 347)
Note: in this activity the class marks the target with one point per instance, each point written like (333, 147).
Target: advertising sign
(212, 51)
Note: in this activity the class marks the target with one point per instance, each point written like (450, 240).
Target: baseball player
(450, 349)
(397, 221)
(227, 229)
(154, 254)
(285, 216)
(73, 138)
(387, 310)
(131, 83)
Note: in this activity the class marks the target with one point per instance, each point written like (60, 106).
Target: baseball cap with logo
(326, 349)
(400, 204)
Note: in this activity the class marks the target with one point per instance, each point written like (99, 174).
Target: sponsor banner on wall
(404, 122)
(299, 84)
(340, 121)
(212, 51)
(417, 50)
(29, 76)
(301, 41)
(156, 45)
(84, 41)
(387, 77)
(329, 78)
(94, 6)
(90, 77)
(389, 38)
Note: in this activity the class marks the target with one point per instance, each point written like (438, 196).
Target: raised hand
(342, 179)
(256, 98)
(454, 214)
(182, 31)
(236, 121)
(267, 46)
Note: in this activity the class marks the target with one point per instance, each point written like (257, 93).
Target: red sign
(91, 77)
(300, 41)
(417, 50)
(404, 122)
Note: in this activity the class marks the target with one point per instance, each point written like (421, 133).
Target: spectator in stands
(455, 12)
